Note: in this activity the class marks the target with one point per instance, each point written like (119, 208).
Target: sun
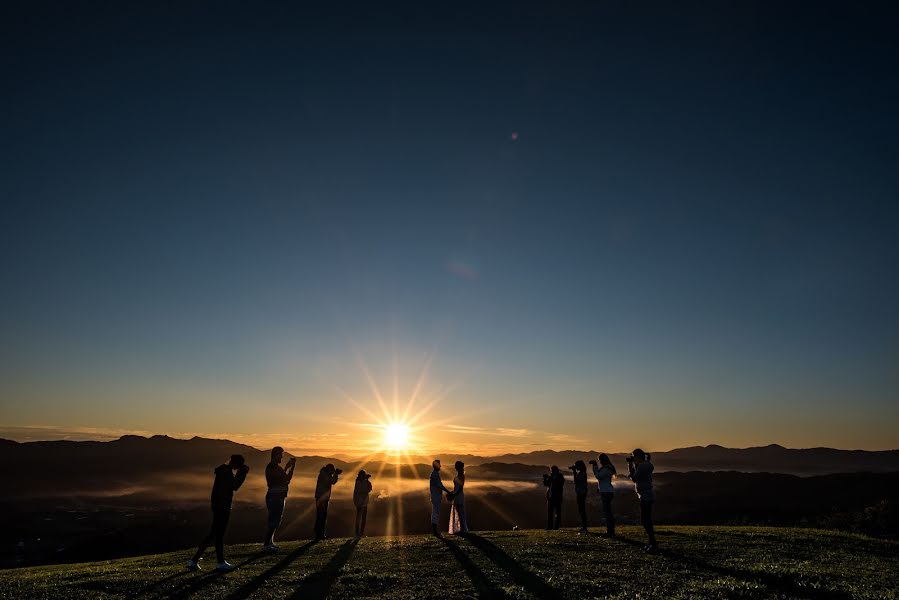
(396, 436)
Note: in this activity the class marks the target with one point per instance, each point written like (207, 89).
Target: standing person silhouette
(641, 474)
(580, 490)
(226, 483)
(327, 477)
(278, 480)
(458, 523)
(555, 481)
(437, 490)
(360, 500)
(604, 474)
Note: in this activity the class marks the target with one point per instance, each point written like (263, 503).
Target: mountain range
(94, 465)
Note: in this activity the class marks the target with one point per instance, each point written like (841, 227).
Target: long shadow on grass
(254, 584)
(319, 584)
(520, 575)
(783, 584)
(154, 586)
(192, 587)
(482, 584)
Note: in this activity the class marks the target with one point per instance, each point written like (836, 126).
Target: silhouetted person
(437, 490)
(226, 483)
(360, 501)
(641, 474)
(580, 490)
(604, 473)
(326, 478)
(555, 481)
(278, 480)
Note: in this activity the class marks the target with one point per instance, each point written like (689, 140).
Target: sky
(528, 225)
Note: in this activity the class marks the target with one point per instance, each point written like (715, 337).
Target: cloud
(36, 433)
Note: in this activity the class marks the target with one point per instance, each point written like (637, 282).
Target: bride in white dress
(458, 521)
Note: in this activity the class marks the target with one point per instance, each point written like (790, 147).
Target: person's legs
(582, 508)
(206, 541)
(646, 519)
(550, 512)
(321, 517)
(435, 514)
(219, 524)
(607, 498)
(364, 517)
(275, 506)
(558, 511)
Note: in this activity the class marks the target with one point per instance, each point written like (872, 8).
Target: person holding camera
(228, 478)
(555, 481)
(278, 480)
(437, 490)
(360, 501)
(640, 468)
(604, 473)
(327, 477)
(580, 489)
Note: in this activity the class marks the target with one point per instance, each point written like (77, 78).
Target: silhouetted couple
(228, 478)
(458, 524)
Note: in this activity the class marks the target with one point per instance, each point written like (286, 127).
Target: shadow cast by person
(319, 584)
(192, 587)
(152, 587)
(782, 584)
(787, 585)
(519, 574)
(484, 588)
(254, 584)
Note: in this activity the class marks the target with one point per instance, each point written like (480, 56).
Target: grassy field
(695, 562)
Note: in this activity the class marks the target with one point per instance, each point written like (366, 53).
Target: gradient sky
(590, 225)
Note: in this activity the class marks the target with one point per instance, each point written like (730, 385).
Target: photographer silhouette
(555, 481)
(640, 470)
(327, 477)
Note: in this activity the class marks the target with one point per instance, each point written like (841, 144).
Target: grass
(695, 562)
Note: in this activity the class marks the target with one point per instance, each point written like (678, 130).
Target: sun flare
(396, 436)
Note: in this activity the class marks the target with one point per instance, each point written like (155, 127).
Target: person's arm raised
(240, 477)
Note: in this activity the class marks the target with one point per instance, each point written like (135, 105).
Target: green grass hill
(695, 562)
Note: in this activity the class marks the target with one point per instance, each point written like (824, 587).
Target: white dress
(458, 522)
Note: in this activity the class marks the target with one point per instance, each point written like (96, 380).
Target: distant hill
(764, 459)
(87, 465)
(102, 465)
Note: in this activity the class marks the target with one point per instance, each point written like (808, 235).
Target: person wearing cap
(360, 500)
(278, 480)
(228, 478)
(327, 477)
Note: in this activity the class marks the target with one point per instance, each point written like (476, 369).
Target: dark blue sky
(694, 235)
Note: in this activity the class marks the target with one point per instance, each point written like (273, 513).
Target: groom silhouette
(437, 490)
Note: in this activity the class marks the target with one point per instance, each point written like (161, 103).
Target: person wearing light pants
(437, 491)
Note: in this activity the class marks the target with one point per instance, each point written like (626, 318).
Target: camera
(338, 471)
(546, 478)
(629, 459)
(572, 468)
(592, 462)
